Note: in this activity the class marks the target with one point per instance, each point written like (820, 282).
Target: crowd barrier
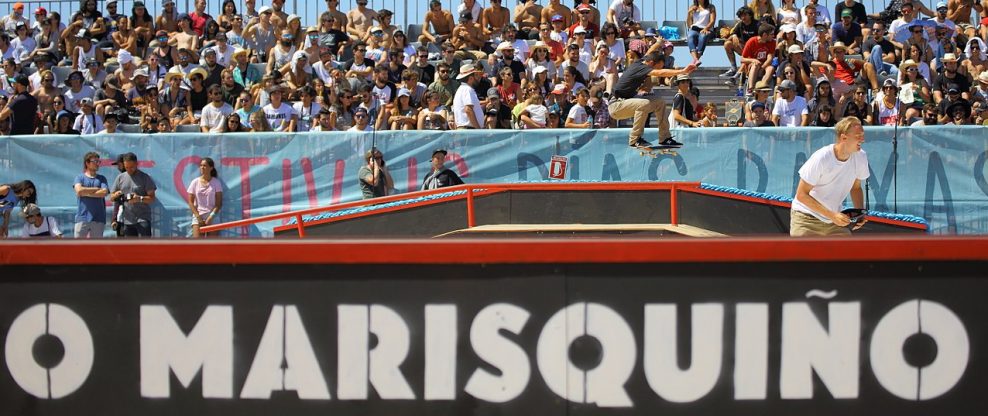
(940, 174)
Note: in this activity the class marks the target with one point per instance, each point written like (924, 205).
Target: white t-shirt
(831, 178)
(305, 114)
(790, 113)
(88, 123)
(357, 128)
(521, 50)
(212, 117)
(578, 114)
(465, 95)
(822, 15)
(538, 113)
(621, 12)
(50, 224)
(279, 117)
(72, 99)
(223, 57)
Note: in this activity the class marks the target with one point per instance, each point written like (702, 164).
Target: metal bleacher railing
(406, 12)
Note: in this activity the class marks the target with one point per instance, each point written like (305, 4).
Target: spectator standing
(22, 108)
(205, 196)
(440, 176)
(466, 106)
(133, 193)
(91, 190)
(683, 112)
(10, 195)
(374, 179)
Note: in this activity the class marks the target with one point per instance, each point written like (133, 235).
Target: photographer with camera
(375, 180)
(133, 192)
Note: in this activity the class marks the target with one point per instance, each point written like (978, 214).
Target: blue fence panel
(940, 174)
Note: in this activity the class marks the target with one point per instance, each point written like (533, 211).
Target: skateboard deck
(656, 150)
(733, 111)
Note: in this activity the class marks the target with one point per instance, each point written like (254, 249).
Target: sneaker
(640, 143)
(670, 142)
(731, 82)
(730, 73)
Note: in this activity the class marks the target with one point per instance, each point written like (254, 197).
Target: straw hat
(200, 71)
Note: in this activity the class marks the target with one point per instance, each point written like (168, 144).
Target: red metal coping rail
(472, 190)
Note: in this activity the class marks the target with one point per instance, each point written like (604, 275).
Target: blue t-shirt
(91, 208)
(9, 201)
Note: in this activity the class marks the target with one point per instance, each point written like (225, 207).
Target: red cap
(40, 10)
(583, 6)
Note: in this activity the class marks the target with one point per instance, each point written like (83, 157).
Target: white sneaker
(730, 73)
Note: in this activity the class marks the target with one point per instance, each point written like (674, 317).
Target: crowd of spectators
(552, 66)
(904, 65)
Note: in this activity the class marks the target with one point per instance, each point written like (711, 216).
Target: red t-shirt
(199, 22)
(592, 32)
(753, 49)
(845, 71)
(556, 49)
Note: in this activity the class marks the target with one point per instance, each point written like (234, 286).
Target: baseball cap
(787, 85)
(264, 9)
(795, 49)
(492, 93)
(443, 151)
(466, 15)
(22, 79)
(889, 82)
(31, 209)
(846, 13)
(40, 10)
(757, 104)
(559, 89)
(650, 33)
(941, 5)
(557, 18)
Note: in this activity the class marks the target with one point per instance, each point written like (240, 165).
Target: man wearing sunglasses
(39, 226)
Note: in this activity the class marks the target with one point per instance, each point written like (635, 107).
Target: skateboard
(656, 150)
(855, 215)
(733, 111)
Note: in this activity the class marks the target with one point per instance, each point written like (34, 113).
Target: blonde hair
(845, 125)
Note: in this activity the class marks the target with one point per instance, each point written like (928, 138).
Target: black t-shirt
(427, 74)
(24, 109)
(942, 83)
(766, 123)
(482, 86)
(332, 39)
(632, 78)
(858, 13)
(685, 107)
(198, 100)
(745, 31)
(869, 44)
(853, 109)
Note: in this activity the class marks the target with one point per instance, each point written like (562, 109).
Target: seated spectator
(361, 121)
(709, 115)
(857, 106)
(87, 122)
(790, 110)
(822, 95)
(64, 123)
(528, 14)
(434, 115)
(403, 116)
(887, 106)
(848, 31)
(976, 60)
(745, 29)
(979, 94)
(929, 117)
(757, 56)
(916, 86)
(438, 24)
(583, 23)
(950, 78)
(700, 18)
(958, 113)
(467, 38)
(879, 51)
(110, 123)
(758, 118)
(214, 113)
(763, 94)
(533, 114)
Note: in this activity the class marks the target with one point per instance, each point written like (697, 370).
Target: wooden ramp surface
(681, 229)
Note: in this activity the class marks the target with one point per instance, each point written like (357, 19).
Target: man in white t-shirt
(361, 120)
(790, 110)
(39, 226)
(279, 114)
(214, 113)
(825, 181)
(467, 111)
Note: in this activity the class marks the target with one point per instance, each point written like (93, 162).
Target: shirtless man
(554, 8)
(384, 21)
(960, 10)
(440, 21)
(493, 19)
(333, 6)
(47, 92)
(360, 20)
(168, 19)
(185, 37)
(468, 38)
(528, 15)
(279, 19)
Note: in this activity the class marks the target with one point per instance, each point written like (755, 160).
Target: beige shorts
(806, 225)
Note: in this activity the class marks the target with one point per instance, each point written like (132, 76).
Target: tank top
(701, 18)
(281, 58)
(887, 116)
(84, 56)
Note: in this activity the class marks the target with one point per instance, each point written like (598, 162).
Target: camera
(628, 21)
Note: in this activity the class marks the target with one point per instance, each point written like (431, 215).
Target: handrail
(470, 189)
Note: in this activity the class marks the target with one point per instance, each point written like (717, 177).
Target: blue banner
(940, 174)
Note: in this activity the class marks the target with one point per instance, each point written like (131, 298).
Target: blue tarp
(940, 174)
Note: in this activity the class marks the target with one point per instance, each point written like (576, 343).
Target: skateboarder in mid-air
(633, 97)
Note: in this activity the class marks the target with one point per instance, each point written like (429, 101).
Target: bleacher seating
(680, 26)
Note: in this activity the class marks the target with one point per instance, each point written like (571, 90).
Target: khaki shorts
(806, 225)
